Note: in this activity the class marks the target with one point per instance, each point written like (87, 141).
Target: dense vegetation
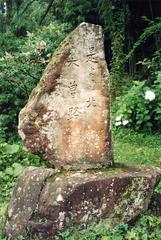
(31, 31)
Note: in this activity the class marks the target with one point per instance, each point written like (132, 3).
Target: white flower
(117, 124)
(125, 122)
(118, 118)
(42, 44)
(149, 95)
(25, 53)
(29, 34)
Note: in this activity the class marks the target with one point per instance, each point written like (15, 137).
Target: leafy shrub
(146, 228)
(153, 28)
(21, 69)
(13, 159)
(151, 66)
(140, 107)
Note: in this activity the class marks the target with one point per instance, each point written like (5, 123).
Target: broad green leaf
(17, 169)
(11, 149)
(9, 171)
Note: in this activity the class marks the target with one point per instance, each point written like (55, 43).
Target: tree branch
(27, 6)
(46, 12)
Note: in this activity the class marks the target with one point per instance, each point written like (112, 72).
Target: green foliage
(21, 19)
(153, 28)
(21, 16)
(75, 12)
(140, 107)
(146, 228)
(114, 16)
(21, 69)
(151, 66)
(104, 231)
(13, 159)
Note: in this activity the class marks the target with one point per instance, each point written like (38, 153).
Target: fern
(149, 31)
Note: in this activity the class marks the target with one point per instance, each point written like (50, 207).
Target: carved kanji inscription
(67, 116)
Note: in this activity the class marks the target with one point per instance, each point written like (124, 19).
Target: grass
(137, 148)
(131, 148)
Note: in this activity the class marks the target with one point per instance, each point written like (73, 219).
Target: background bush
(134, 110)
(13, 159)
(21, 69)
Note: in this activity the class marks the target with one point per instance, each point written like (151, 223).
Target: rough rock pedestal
(67, 117)
(45, 202)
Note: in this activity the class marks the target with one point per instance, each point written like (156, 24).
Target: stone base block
(46, 201)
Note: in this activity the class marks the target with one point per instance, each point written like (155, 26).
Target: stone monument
(67, 117)
(67, 120)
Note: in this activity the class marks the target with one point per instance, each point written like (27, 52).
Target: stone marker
(67, 117)
(67, 120)
(65, 199)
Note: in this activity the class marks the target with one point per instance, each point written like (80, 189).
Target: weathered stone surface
(24, 199)
(67, 117)
(74, 198)
(155, 204)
